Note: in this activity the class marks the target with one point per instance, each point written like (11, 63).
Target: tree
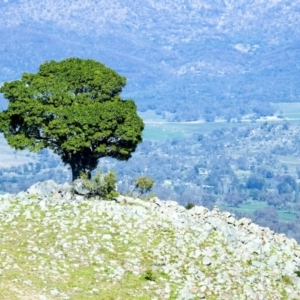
(143, 184)
(255, 182)
(74, 108)
(233, 199)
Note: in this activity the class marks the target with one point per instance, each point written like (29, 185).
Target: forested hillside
(197, 59)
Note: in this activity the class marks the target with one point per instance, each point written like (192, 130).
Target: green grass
(287, 107)
(292, 115)
(248, 207)
(252, 206)
(32, 246)
(286, 215)
(150, 115)
(166, 131)
(158, 133)
(75, 250)
(200, 127)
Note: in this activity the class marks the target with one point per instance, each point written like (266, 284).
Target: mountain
(57, 245)
(173, 53)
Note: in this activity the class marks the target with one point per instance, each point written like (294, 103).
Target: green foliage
(74, 108)
(190, 205)
(143, 185)
(149, 275)
(287, 280)
(103, 186)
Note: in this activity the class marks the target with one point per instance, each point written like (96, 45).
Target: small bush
(190, 205)
(149, 275)
(143, 185)
(287, 280)
(100, 185)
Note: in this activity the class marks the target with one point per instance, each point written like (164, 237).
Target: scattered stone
(45, 188)
(79, 187)
(192, 254)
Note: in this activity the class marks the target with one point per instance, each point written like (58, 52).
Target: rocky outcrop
(180, 254)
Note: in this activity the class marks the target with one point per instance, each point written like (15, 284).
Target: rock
(254, 247)
(198, 210)
(216, 209)
(65, 188)
(200, 275)
(206, 261)
(44, 189)
(244, 222)
(231, 220)
(106, 237)
(79, 187)
(185, 294)
(216, 223)
(205, 254)
(119, 272)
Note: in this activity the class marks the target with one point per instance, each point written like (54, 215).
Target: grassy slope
(87, 252)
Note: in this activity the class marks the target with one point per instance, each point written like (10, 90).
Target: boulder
(79, 187)
(44, 189)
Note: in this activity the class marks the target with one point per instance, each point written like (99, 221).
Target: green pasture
(286, 215)
(242, 173)
(163, 131)
(159, 129)
(291, 161)
(159, 133)
(150, 115)
(252, 206)
(200, 127)
(247, 207)
(287, 107)
(289, 110)
(292, 116)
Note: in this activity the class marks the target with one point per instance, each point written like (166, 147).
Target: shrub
(190, 205)
(100, 185)
(143, 185)
(149, 275)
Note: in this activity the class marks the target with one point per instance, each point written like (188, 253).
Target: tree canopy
(73, 107)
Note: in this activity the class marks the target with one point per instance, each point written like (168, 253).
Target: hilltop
(58, 245)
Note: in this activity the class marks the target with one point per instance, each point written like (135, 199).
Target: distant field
(289, 110)
(242, 173)
(181, 129)
(158, 133)
(286, 216)
(250, 207)
(200, 127)
(163, 130)
(150, 115)
(291, 161)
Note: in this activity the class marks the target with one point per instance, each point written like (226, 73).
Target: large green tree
(73, 107)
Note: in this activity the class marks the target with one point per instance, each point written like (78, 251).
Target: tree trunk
(81, 163)
(76, 170)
